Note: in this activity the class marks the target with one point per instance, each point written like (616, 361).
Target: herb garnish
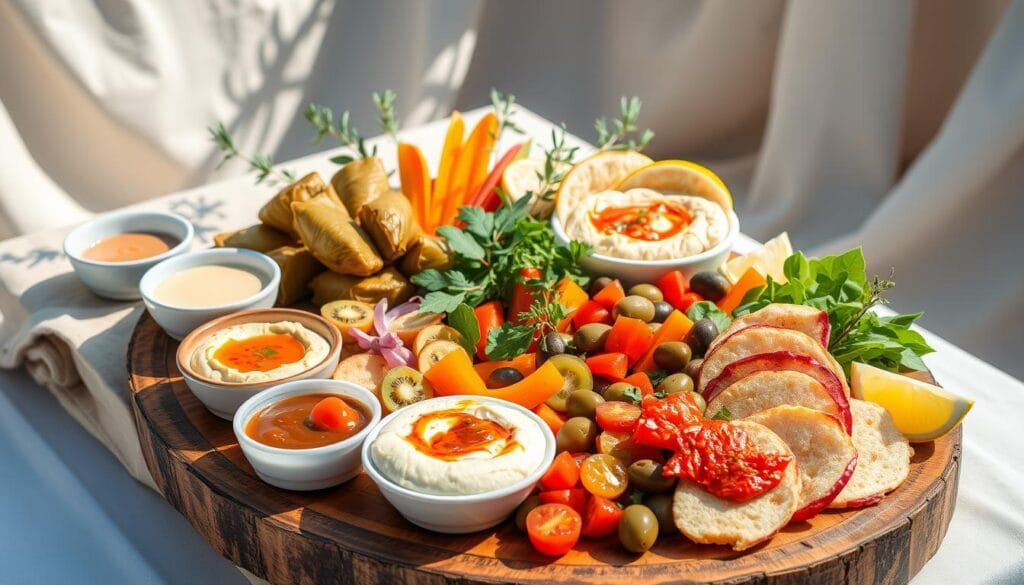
(708, 310)
(502, 104)
(261, 163)
(624, 134)
(514, 338)
(722, 414)
(840, 286)
(322, 119)
(386, 117)
(558, 158)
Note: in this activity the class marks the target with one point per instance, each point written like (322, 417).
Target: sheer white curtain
(891, 124)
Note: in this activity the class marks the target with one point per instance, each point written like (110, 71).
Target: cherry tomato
(563, 473)
(617, 416)
(610, 294)
(575, 498)
(591, 312)
(332, 414)
(602, 518)
(609, 365)
(605, 476)
(553, 529)
(629, 336)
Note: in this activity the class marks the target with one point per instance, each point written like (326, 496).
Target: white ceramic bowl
(464, 513)
(179, 321)
(223, 398)
(120, 280)
(632, 272)
(306, 469)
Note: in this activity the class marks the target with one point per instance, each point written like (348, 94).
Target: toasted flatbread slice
(884, 457)
(770, 388)
(825, 455)
(808, 320)
(708, 519)
(762, 339)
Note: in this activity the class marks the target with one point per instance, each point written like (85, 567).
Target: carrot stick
(412, 168)
(449, 155)
(477, 147)
(751, 279)
(490, 184)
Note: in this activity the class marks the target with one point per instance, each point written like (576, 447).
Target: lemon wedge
(768, 260)
(599, 172)
(524, 175)
(680, 176)
(921, 411)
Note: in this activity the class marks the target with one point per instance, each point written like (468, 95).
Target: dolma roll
(388, 284)
(425, 252)
(298, 268)
(360, 182)
(277, 213)
(390, 222)
(334, 239)
(259, 237)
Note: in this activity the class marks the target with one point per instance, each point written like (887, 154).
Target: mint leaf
(508, 341)
(462, 243)
(464, 320)
(708, 310)
(478, 222)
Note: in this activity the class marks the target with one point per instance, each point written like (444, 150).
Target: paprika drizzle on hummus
(650, 222)
(458, 446)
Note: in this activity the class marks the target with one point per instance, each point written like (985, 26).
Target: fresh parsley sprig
(323, 121)
(623, 133)
(261, 163)
(387, 119)
(513, 338)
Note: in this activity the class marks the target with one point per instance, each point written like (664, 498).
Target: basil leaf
(464, 320)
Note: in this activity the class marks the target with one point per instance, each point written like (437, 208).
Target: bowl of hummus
(458, 464)
(640, 234)
(230, 359)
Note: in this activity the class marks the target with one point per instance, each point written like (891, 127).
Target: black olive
(661, 311)
(502, 377)
(701, 335)
(710, 285)
(551, 344)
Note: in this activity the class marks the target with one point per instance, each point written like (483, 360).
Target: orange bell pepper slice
(454, 374)
(641, 381)
(750, 280)
(412, 169)
(551, 416)
(476, 153)
(489, 315)
(629, 336)
(449, 155)
(674, 328)
(572, 297)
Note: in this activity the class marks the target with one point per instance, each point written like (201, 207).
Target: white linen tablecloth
(65, 496)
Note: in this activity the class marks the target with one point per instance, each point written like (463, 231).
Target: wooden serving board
(350, 534)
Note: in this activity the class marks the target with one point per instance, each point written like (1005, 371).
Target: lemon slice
(680, 176)
(768, 260)
(921, 411)
(599, 172)
(524, 175)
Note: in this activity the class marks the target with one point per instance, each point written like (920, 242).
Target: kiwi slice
(434, 333)
(349, 314)
(434, 351)
(576, 376)
(403, 386)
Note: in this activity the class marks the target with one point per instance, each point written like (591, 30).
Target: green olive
(591, 337)
(638, 528)
(703, 332)
(661, 311)
(598, 284)
(661, 505)
(582, 403)
(675, 383)
(672, 356)
(645, 474)
(525, 508)
(636, 307)
(576, 435)
(648, 291)
(710, 284)
(575, 376)
(619, 392)
(701, 403)
(692, 369)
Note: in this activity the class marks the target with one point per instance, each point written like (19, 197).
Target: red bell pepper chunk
(591, 312)
(609, 365)
(641, 381)
(489, 315)
(610, 294)
(629, 336)
(673, 287)
(522, 295)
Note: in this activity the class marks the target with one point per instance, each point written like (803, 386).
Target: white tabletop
(70, 513)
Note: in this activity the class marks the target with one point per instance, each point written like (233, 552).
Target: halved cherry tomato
(332, 414)
(522, 295)
(610, 294)
(673, 287)
(591, 312)
(617, 416)
(563, 473)
(689, 299)
(641, 381)
(575, 498)
(604, 475)
(602, 517)
(553, 529)
(489, 315)
(610, 365)
(580, 457)
(629, 336)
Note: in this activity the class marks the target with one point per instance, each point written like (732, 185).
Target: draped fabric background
(890, 124)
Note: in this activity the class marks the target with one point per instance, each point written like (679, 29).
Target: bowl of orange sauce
(307, 434)
(230, 359)
(111, 253)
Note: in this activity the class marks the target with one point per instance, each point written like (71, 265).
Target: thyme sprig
(386, 117)
(502, 104)
(558, 158)
(261, 163)
(323, 121)
(624, 133)
(876, 290)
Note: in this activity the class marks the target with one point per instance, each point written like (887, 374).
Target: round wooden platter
(350, 534)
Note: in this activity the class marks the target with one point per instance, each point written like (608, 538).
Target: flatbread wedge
(884, 457)
(825, 455)
(770, 388)
(813, 322)
(707, 519)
